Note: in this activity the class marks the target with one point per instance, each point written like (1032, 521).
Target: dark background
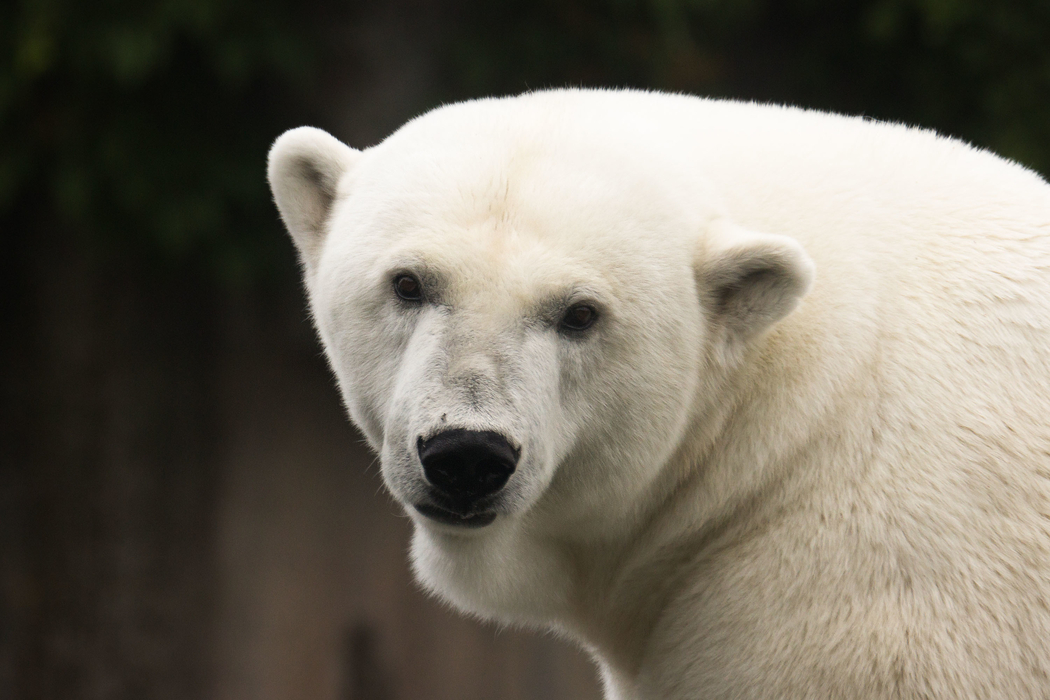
(184, 511)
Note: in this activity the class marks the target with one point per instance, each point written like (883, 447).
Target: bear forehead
(493, 157)
(497, 266)
(527, 235)
(486, 197)
(528, 183)
(491, 200)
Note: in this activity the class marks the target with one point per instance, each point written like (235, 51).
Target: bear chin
(470, 521)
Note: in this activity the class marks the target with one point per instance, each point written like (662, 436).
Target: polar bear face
(522, 323)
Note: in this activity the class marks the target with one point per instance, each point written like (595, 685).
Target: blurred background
(184, 511)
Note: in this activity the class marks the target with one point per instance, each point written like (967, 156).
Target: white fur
(805, 450)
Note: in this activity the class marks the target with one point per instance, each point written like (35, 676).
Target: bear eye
(408, 288)
(579, 317)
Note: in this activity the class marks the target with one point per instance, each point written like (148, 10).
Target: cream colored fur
(805, 450)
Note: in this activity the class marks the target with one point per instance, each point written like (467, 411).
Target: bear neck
(724, 487)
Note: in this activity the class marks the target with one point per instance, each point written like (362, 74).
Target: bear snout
(465, 466)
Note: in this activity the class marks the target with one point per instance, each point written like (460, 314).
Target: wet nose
(467, 465)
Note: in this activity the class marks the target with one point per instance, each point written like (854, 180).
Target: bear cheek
(366, 356)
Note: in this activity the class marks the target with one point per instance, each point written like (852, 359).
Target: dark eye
(408, 288)
(579, 317)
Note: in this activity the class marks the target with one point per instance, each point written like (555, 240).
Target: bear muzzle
(464, 468)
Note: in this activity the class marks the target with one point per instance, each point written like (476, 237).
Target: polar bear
(750, 401)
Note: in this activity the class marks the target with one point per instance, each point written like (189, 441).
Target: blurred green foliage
(146, 123)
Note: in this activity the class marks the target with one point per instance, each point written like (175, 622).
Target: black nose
(467, 465)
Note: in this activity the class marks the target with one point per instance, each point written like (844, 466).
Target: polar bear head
(526, 308)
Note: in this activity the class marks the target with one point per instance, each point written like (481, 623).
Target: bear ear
(749, 280)
(304, 169)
